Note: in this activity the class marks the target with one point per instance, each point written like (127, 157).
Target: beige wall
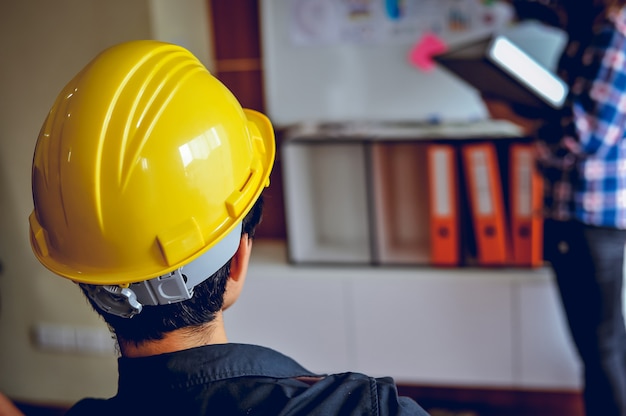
(42, 44)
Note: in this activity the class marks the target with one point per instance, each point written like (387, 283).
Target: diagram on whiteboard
(328, 22)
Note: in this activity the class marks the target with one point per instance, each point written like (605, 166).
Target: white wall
(42, 44)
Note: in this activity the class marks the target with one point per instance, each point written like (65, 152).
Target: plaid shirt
(581, 149)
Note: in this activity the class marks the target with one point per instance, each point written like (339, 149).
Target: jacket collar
(205, 364)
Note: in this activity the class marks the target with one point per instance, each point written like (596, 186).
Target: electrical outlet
(73, 339)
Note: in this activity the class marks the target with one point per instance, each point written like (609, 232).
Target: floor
(439, 401)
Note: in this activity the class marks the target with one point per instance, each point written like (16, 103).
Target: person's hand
(7, 408)
(501, 110)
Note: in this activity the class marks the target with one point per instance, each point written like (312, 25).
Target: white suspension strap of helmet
(173, 287)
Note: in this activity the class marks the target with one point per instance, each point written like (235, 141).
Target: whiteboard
(343, 81)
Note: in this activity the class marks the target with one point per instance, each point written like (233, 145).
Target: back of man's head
(155, 321)
(146, 173)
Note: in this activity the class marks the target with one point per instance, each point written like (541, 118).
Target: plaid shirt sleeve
(599, 95)
(582, 151)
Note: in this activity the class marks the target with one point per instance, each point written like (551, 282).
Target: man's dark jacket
(237, 379)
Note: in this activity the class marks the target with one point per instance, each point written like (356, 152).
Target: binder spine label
(443, 205)
(524, 177)
(483, 190)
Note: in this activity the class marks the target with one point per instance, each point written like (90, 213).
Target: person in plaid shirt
(581, 152)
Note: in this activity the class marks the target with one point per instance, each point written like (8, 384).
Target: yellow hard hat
(144, 163)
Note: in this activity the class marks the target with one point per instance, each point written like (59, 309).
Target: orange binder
(444, 207)
(526, 203)
(484, 189)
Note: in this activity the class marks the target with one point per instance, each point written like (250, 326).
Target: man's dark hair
(155, 321)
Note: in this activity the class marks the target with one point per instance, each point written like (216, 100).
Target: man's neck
(180, 339)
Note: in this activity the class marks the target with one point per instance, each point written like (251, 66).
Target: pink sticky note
(421, 54)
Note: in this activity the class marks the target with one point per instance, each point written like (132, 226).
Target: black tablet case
(474, 63)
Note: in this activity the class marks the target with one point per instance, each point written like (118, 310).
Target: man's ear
(239, 262)
(238, 271)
